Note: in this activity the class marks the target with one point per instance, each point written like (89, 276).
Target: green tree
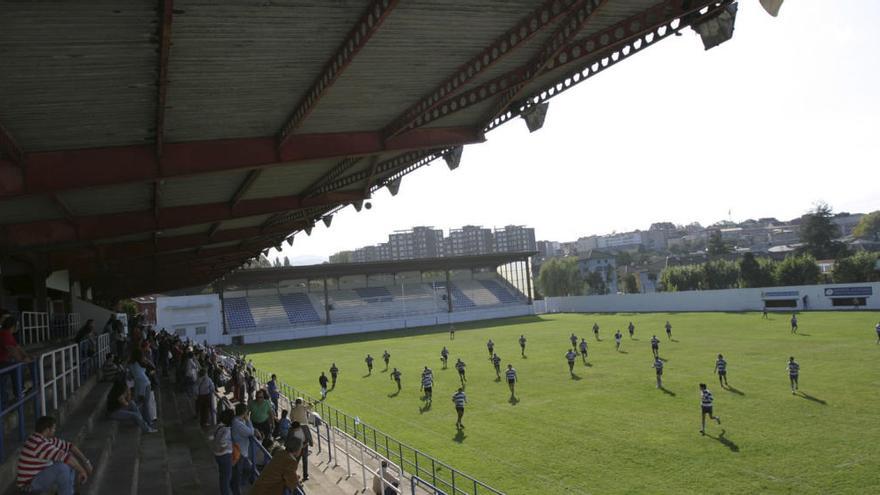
(630, 284)
(595, 283)
(859, 267)
(716, 245)
(623, 258)
(868, 227)
(818, 233)
(797, 270)
(680, 278)
(720, 274)
(755, 272)
(560, 277)
(128, 307)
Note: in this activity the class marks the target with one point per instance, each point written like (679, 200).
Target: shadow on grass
(459, 436)
(674, 340)
(803, 334)
(588, 364)
(663, 359)
(813, 399)
(514, 400)
(667, 391)
(725, 441)
(395, 394)
(425, 408)
(497, 379)
(524, 356)
(622, 352)
(576, 377)
(633, 338)
(367, 375)
(734, 390)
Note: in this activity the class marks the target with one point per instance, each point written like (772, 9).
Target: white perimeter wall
(185, 314)
(705, 300)
(89, 311)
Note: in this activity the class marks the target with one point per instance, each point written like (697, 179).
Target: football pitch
(608, 429)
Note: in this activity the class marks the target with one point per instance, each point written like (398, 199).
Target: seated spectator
(85, 332)
(283, 425)
(280, 473)
(262, 414)
(47, 462)
(205, 393)
(121, 408)
(222, 447)
(111, 371)
(380, 488)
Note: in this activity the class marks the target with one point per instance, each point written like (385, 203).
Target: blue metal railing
(16, 402)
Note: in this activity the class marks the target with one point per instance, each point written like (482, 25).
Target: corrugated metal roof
(29, 209)
(288, 180)
(201, 228)
(127, 238)
(198, 189)
(238, 69)
(78, 74)
(239, 223)
(110, 199)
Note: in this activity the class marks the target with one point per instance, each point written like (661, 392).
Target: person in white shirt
(204, 395)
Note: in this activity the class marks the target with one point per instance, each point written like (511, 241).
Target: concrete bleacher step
(183, 441)
(119, 473)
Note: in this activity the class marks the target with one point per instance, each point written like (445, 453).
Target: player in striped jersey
(617, 337)
(655, 346)
(706, 400)
(574, 340)
(395, 375)
(459, 399)
(427, 386)
(632, 329)
(491, 346)
(668, 330)
(571, 356)
(596, 330)
(794, 327)
(793, 371)
(386, 356)
(658, 365)
(511, 379)
(496, 362)
(522, 342)
(369, 361)
(877, 328)
(444, 356)
(721, 369)
(583, 349)
(459, 365)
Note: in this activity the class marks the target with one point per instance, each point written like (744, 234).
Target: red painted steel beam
(57, 171)
(245, 186)
(507, 43)
(180, 261)
(356, 39)
(9, 147)
(166, 9)
(95, 227)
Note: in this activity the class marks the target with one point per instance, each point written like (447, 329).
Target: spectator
(191, 373)
(300, 416)
(380, 488)
(302, 431)
(283, 426)
(262, 414)
(272, 386)
(141, 381)
(251, 384)
(121, 408)
(111, 371)
(47, 462)
(280, 474)
(242, 433)
(10, 353)
(118, 336)
(205, 393)
(85, 332)
(222, 447)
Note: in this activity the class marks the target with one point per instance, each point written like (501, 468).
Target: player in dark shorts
(570, 356)
(721, 370)
(583, 348)
(395, 375)
(491, 346)
(522, 343)
(451, 332)
(794, 370)
(369, 361)
(877, 328)
(632, 330)
(511, 379)
(596, 330)
(386, 356)
(668, 330)
(574, 340)
(444, 356)
(617, 337)
(658, 365)
(459, 399)
(764, 314)
(459, 365)
(322, 381)
(706, 400)
(655, 346)
(427, 386)
(334, 371)
(794, 327)
(496, 362)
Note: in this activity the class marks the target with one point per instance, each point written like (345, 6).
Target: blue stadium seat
(504, 296)
(238, 313)
(374, 294)
(299, 309)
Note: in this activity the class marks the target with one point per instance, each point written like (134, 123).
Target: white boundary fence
(103, 348)
(63, 367)
(34, 327)
(353, 446)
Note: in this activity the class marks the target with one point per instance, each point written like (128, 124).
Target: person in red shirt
(10, 353)
(47, 462)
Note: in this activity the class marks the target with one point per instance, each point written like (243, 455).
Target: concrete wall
(89, 311)
(187, 315)
(707, 300)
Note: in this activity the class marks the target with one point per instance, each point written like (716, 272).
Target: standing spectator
(118, 336)
(279, 476)
(121, 408)
(251, 384)
(190, 373)
(204, 394)
(222, 447)
(47, 462)
(283, 427)
(261, 414)
(242, 434)
(10, 353)
(300, 416)
(274, 395)
(141, 381)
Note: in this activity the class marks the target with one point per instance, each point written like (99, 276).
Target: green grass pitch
(611, 430)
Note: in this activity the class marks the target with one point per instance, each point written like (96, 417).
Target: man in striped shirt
(395, 375)
(48, 462)
(491, 347)
(655, 346)
(522, 342)
(793, 370)
(496, 362)
(583, 347)
(658, 365)
(877, 328)
(386, 356)
(459, 399)
(427, 386)
(596, 330)
(459, 365)
(721, 369)
(574, 340)
(444, 356)
(369, 361)
(794, 327)
(706, 406)
(511, 379)
(570, 356)
(617, 337)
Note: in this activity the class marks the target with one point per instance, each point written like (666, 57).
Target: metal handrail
(34, 327)
(68, 354)
(362, 448)
(18, 403)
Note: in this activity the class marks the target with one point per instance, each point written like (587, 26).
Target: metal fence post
(347, 455)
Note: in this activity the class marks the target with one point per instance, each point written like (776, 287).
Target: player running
(668, 330)
(793, 371)
(496, 362)
(511, 379)
(334, 372)
(322, 381)
(427, 386)
(617, 337)
(571, 356)
(632, 329)
(583, 349)
(655, 346)
(386, 356)
(574, 340)
(706, 400)
(491, 346)
(444, 356)
(596, 330)
(459, 365)
(658, 365)
(395, 375)
(369, 361)
(522, 343)
(764, 314)
(877, 328)
(721, 370)
(794, 327)
(451, 332)
(459, 399)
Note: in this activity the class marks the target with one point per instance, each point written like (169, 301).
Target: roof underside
(146, 146)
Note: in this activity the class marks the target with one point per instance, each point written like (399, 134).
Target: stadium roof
(332, 270)
(148, 146)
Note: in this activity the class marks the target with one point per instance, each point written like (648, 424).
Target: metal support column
(529, 280)
(448, 293)
(326, 302)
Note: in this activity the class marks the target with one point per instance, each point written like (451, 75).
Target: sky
(780, 117)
